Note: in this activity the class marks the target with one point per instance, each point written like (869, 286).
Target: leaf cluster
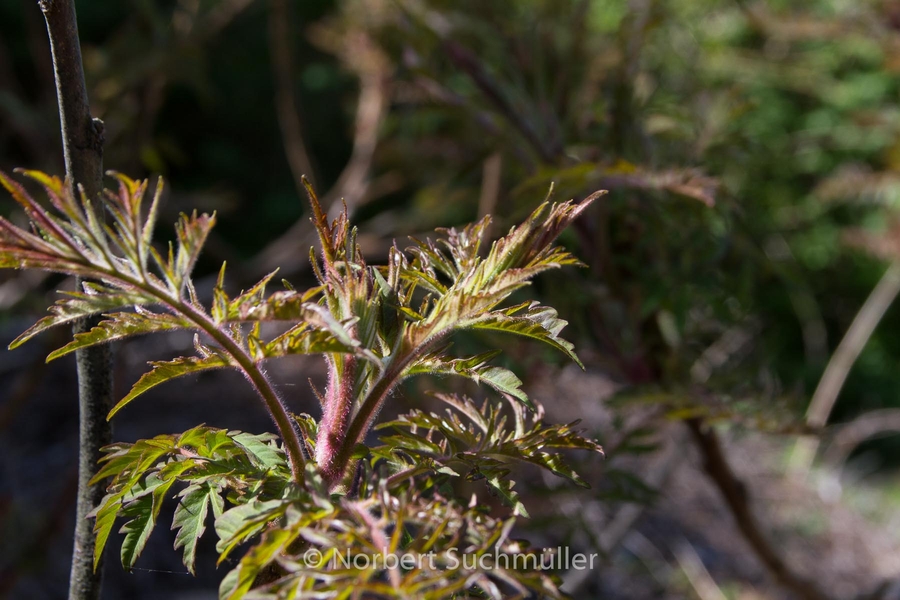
(375, 326)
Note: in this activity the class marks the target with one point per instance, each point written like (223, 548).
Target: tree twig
(852, 434)
(468, 63)
(699, 578)
(491, 180)
(353, 182)
(735, 495)
(82, 139)
(841, 362)
(285, 102)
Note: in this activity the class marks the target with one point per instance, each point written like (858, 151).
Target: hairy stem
(245, 362)
(82, 139)
(361, 424)
(365, 417)
(251, 371)
(333, 427)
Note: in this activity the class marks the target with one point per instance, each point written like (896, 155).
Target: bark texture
(82, 140)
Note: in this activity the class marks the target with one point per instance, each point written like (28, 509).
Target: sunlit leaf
(190, 516)
(122, 325)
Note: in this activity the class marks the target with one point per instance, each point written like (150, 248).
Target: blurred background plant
(752, 152)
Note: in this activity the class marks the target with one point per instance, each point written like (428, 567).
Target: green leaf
(103, 524)
(144, 512)
(121, 325)
(280, 306)
(260, 449)
(303, 339)
(137, 493)
(137, 530)
(503, 486)
(166, 370)
(190, 515)
(243, 521)
(539, 323)
(485, 448)
(253, 297)
(476, 369)
(78, 305)
(127, 461)
(257, 558)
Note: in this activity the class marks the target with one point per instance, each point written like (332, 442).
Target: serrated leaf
(166, 370)
(412, 443)
(126, 460)
(539, 323)
(78, 305)
(252, 297)
(504, 488)
(103, 524)
(136, 491)
(476, 369)
(190, 515)
(260, 450)
(524, 245)
(302, 339)
(146, 510)
(281, 306)
(485, 447)
(117, 326)
(137, 530)
(257, 558)
(219, 310)
(229, 583)
(191, 233)
(243, 521)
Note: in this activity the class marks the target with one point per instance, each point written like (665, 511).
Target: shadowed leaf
(166, 370)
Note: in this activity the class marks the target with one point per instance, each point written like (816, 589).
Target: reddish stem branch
(735, 495)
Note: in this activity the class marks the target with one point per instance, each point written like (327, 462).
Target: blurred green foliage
(740, 141)
(185, 90)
